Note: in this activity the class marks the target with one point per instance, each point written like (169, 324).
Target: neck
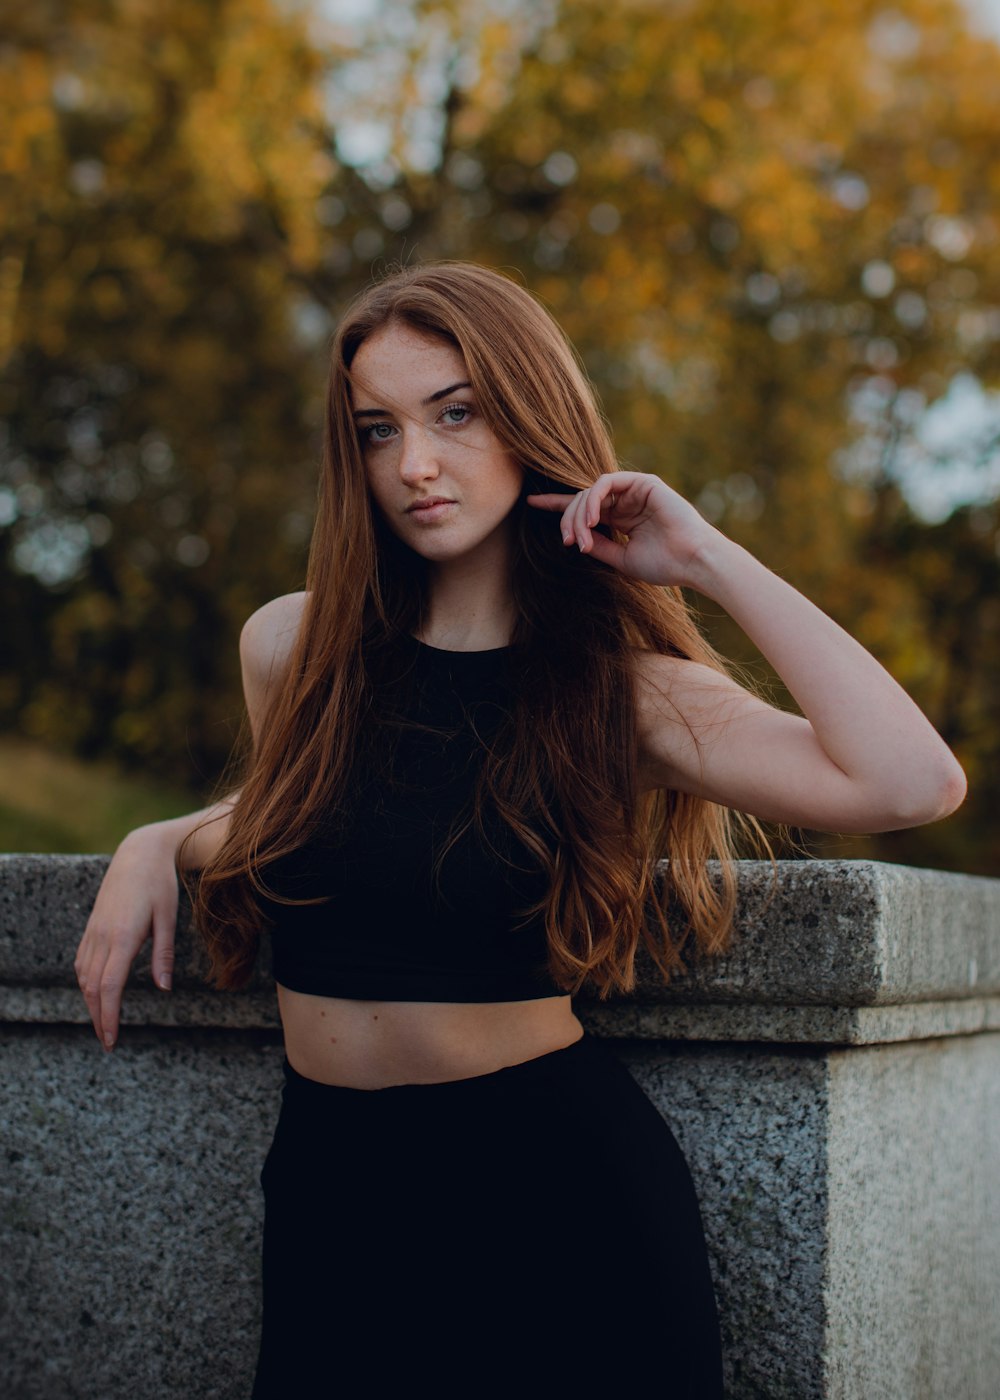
(469, 606)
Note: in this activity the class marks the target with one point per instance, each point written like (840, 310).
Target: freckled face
(440, 477)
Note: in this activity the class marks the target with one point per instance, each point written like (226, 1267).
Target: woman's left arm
(861, 757)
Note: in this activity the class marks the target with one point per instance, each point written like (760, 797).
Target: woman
(474, 734)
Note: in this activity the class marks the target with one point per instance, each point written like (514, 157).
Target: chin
(443, 553)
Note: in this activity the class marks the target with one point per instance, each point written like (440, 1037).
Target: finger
(580, 512)
(551, 501)
(164, 924)
(607, 551)
(556, 501)
(570, 520)
(112, 985)
(88, 974)
(605, 491)
(584, 537)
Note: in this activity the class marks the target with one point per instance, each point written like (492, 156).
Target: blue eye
(455, 415)
(373, 433)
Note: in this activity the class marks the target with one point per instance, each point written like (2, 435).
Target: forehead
(402, 363)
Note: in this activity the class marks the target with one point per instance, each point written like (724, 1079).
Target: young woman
(474, 734)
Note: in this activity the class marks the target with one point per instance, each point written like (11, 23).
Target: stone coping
(778, 1025)
(824, 951)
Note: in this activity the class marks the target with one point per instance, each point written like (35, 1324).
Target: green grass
(52, 803)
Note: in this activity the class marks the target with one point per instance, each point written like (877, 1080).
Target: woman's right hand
(138, 898)
(139, 894)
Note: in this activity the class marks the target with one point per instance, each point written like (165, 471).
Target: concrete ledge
(834, 1084)
(824, 952)
(851, 933)
(142, 1007)
(795, 1025)
(786, 1025)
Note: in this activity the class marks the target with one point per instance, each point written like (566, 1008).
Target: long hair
(563, 773)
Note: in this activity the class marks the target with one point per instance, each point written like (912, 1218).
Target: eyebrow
(431, 398)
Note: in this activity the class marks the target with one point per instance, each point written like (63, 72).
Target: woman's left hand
(860, 758)
(665, 532)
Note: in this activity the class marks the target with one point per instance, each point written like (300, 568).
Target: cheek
(514, 480)
(377, 482)
(379, 498)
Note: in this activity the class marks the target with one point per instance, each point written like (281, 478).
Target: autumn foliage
(771, 228)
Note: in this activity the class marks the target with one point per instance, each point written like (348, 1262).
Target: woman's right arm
(139, 895)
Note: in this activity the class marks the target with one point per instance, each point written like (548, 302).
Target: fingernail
(166, 981)
(109, 1041)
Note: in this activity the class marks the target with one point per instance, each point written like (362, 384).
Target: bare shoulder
(666, 684)
(269, 634)
(266, 644)
(683, 708)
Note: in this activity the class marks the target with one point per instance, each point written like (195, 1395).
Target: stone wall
(834, 1082)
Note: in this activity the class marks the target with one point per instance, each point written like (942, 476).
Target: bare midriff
(376, 1044)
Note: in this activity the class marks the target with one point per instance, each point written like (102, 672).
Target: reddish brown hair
(578, 626)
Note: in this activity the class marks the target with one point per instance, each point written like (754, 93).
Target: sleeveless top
(391, 926)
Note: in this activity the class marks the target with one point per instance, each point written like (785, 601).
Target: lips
(429, 502)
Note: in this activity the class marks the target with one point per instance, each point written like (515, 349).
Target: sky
(985, 14)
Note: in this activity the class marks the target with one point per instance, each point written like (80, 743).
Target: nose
(418, 458)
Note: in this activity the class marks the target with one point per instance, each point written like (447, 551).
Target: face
(440, 477)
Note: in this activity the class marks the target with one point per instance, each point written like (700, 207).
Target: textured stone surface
(752, 1126)
(851, 933)
(810, 1025)
(44, 905)
(256, 1010)
(844, 933)
(913, 1266)
(849, 1198)
(130, 1210)
(130, 1207)
(850, 1195)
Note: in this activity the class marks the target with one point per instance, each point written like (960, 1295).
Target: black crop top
(388, 929)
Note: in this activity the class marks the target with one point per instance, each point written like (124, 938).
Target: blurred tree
(770, 228)
(953, 568)
(159, 175)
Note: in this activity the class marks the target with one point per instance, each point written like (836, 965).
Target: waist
(377, 1044)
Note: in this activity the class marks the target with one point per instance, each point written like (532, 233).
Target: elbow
(953, 789)
(941, 793)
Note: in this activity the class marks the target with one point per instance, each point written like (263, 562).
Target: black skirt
(534, 1230)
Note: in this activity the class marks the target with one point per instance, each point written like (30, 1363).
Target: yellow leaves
(252, 133)
(718, 113)
(580, 93)
(913, 263)
(470, 125)
(647, 282)
(644, 417)
(195, 361)
(218, 148)
(27, 121)
(697, 152)
(686, 84)
(230, 99)
(596, 288)
(33, 74)
(11, 273)
(723, 189)
(551, 290)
